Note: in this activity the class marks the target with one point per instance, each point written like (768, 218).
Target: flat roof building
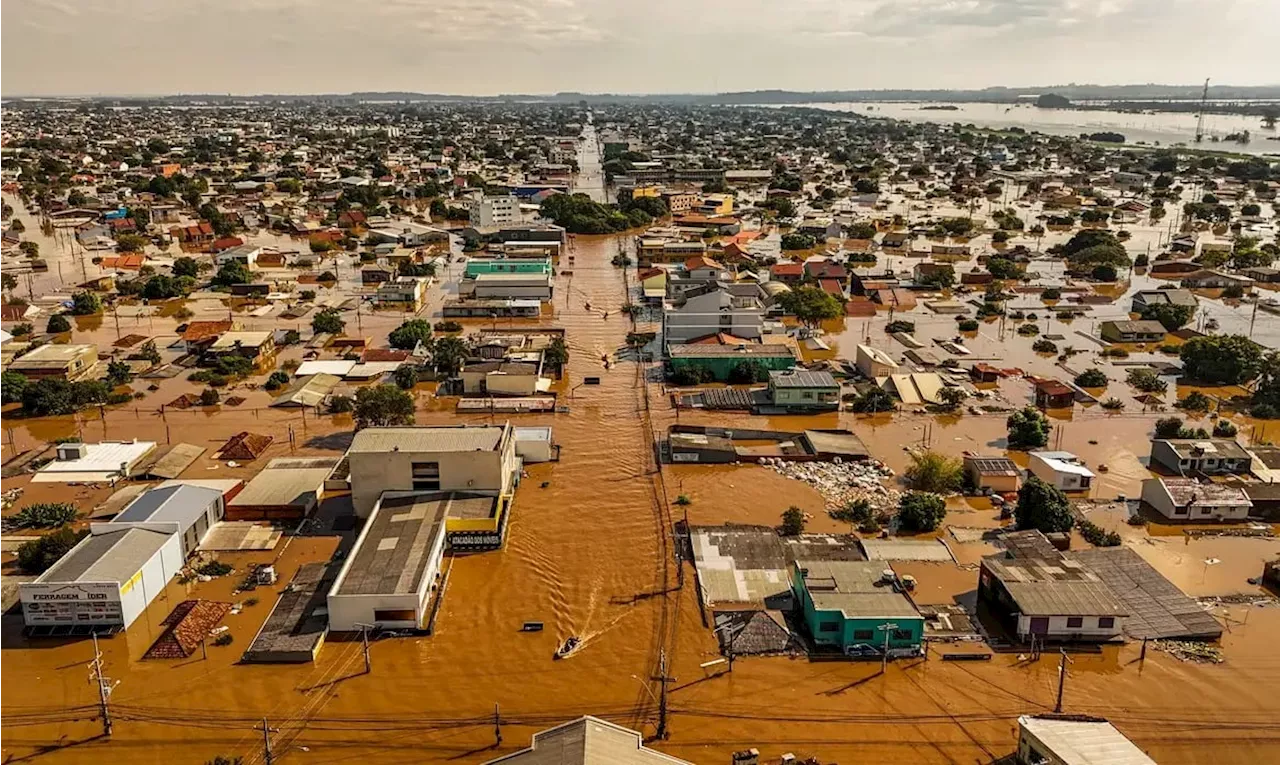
(288, 489)
(1073, 740)
(1188, 500)
(87, 463)
(1062, 470)
(186, 510)
(69, 362)
(1214, 456)
(388, 578)
(857, 606)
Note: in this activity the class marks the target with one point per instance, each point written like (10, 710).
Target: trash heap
(1191, 650)
(840, 482)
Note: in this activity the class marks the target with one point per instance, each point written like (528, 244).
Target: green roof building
(721, 359)
(477, 266)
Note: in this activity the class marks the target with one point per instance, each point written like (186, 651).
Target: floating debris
(840, 482)
(1191, 650)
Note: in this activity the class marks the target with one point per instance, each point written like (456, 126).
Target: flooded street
(589, 553)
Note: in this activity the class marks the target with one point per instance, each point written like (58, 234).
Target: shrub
(1044, 346)
(57, 324)
(44, 515)
(683, 500)
(341, 404)
(1098, 536)
(209, 397)
(448, 325)
(1051, 293)
(934, 472)
(1113, 404)
(1092, 378)
(967, 325)
(873, 401)
(1028, 330)
(405, 376)
(1225, 429)
(213, 568)
(224, 639)
(856, 511)
(1146, 381)
(792, 522)
(1195, 402)
(277, 380)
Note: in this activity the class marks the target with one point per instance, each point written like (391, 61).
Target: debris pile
(840, 482)
(1191, 650)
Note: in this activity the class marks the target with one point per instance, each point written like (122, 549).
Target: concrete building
(103, 583)
(800, 389)
(467, 458)
(103, 462)
(1062, 470)
(407, 234)
(998, 474)
(245, 254)
(873, 362)
(1050, 597)
(1186, 499)
(712, 310)
(1141, 331)
(1073, 740)
(1212, 456)
(287, 490)
(1144, 298)
(858, 607)
(70, 362)
(534, 265)
(255, 346)
(493, 211)
(393, 567)
(490, 286)
(536, 444)
(406, 293)
(185, 510)
(502, 378)
(588, 741)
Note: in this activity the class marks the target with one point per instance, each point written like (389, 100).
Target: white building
(94, 463)
(873, 362)
(703, 313)
(508, 285)
(185, 510)
(245, 254)
(1185, 499)
(467, 458)
(1071, 740)
(494, 211)
(393, 568)
(1062, 470)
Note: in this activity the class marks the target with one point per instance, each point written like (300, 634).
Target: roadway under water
(590, 554)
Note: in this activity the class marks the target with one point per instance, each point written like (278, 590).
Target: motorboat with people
(568, 647)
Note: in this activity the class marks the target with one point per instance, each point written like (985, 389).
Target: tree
(1169, 427)
(44, 515)
(49, 396)
(118, 373)
(862, 230)
(12, 386)
(149, 352)
(232, 272)
(797, 241)
(1092, 378)
(276, 380)
(875, 400)
(1146, 381)
(209, 397)
(1225, 429)
(406, 376)
(327, 321)
(8, 282)
(810, 305)
(161, 287)
(1028, 428)
(1170, 316)
(952, 398)
(1266, 393)
(942, 276)
(1104, 272)
(1003, 268)
(855, 511)
(1042, 507)
(450, 354)
(1225, 360)
(383, 406)
(921, 511)
(39, 555)
(1195, 402)
(85, 304)
(557, 353)
(407, 336)
(934, 472)
(29, 249)
(792, 522)
(186, 266)
(57, 324)
(131, 243)
(1092, 247)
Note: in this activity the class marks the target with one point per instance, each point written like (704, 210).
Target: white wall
(1058, 627)
(480, 472)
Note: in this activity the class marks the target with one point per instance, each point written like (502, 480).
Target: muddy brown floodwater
(590, 554)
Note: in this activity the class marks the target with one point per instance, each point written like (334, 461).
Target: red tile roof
(202, 330)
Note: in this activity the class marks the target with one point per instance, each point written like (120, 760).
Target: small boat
(568, 647)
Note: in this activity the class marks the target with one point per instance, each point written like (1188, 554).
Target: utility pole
(663, 731)
(1062, 680)
(497, 726)
(267, 757)
(886, 628)
(364, 641)
(104, 688)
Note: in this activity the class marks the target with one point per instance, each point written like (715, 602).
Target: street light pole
(886, 628)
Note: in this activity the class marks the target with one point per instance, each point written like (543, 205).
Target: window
(829, 627)
(862, 635)
(1075, 622)
(902, 634)
(426, 476)
(1106, 622)
(807, 394)
(1179, 511)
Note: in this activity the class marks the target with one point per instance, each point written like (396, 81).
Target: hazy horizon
(486, 48)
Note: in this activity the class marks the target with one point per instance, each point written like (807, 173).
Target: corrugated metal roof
(308, 391)
(282, 487)
(113, 555)
(854, 589)
(182, 504)
(1059, 587)
(802, 378)
(394, 549)
(464, 438)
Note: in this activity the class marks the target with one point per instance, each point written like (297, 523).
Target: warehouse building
(104, 583)
(104, 462)
(1075, 740)
(287, 490)
(388, 578)
(185, 510)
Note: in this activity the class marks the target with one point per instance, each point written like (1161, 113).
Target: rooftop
(1223, 448)
(450, 438)
(1142, 326)
(394, 548)
(693, 351)
(588, 741)
(107, 555)
(802, 378)
(855, 589)
(52, 355)
(1084, 742)
(1189, 491)
(228, 340)
(995, 466)
(284, 482)
(181, 503)
(1054, 587)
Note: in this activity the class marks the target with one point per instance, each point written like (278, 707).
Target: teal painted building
(721, 359)
(848, 605)
(536, 266)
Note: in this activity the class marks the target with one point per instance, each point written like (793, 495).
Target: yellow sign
(124, 588)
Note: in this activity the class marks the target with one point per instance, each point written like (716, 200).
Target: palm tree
(450, 354)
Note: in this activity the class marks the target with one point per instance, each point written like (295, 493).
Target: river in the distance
(1156, 128)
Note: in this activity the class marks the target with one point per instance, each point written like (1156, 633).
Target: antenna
(1204, 102)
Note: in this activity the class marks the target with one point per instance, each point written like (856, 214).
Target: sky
(488, 47)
